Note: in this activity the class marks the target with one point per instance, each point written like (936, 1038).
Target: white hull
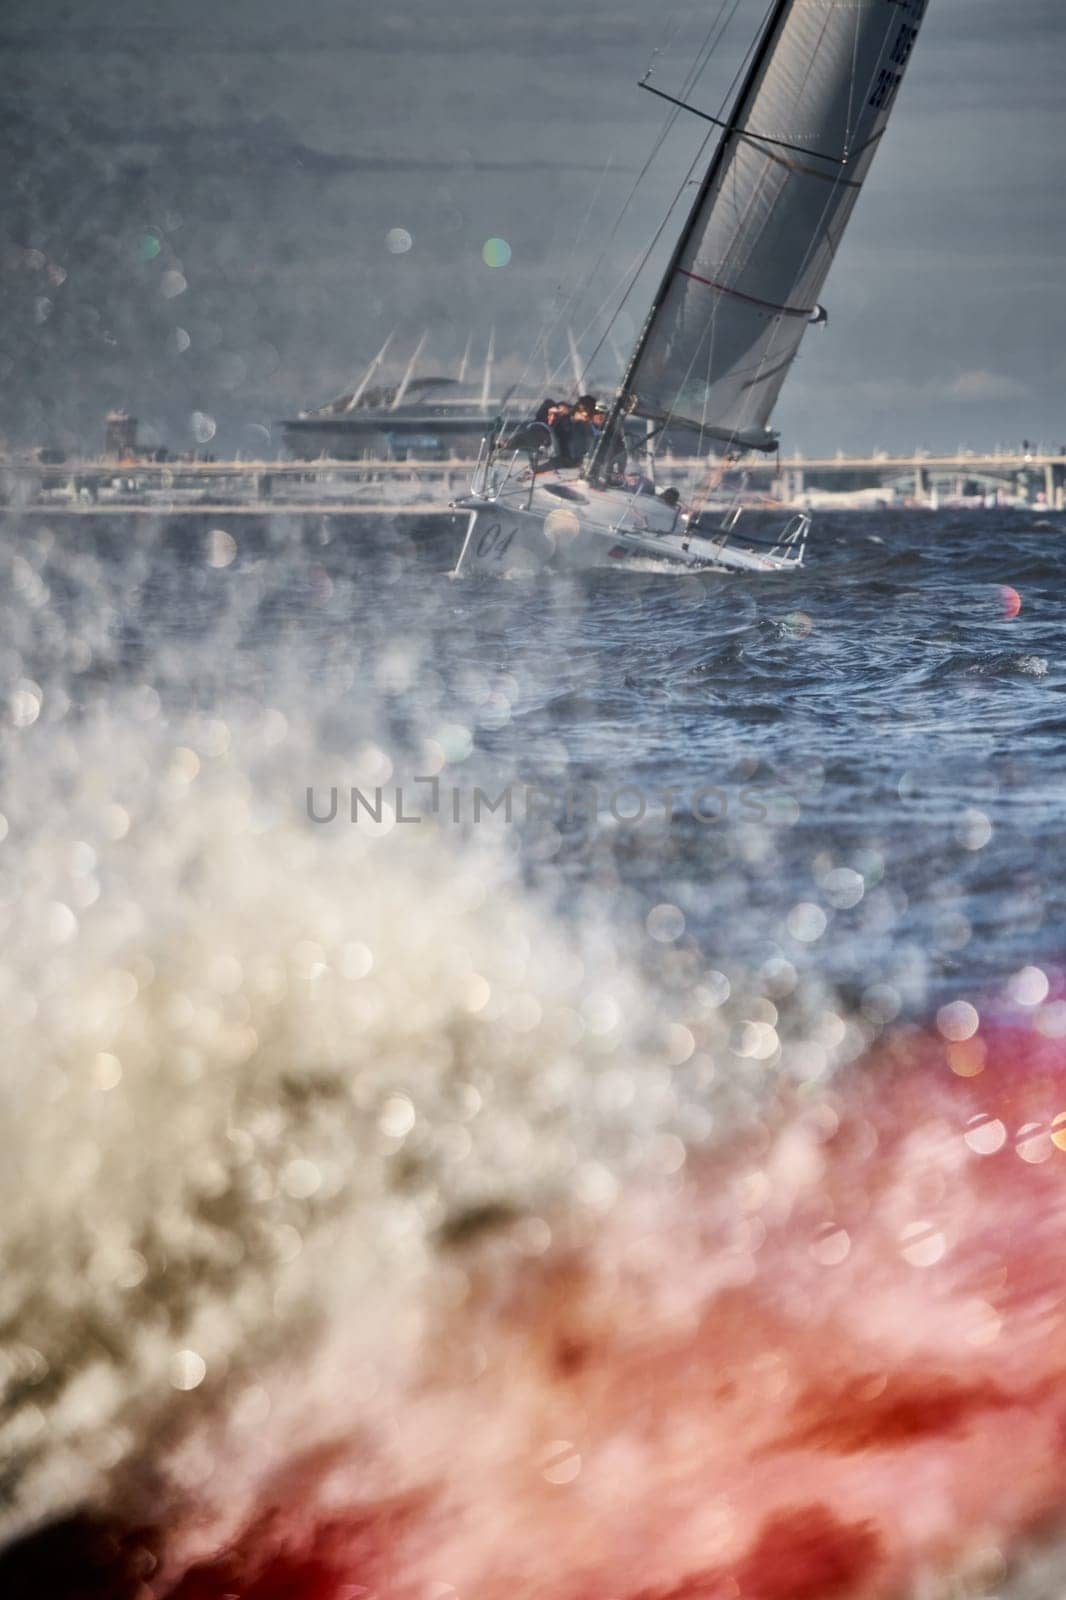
(561, 522)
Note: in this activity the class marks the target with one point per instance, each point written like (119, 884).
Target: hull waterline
(561, 525)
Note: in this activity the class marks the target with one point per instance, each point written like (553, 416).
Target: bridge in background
(419, 487)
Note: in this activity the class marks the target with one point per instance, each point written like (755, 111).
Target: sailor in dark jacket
(579, 435)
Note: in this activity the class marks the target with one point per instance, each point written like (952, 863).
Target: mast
(762, 50)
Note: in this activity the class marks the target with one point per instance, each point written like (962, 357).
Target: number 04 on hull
(564, 523)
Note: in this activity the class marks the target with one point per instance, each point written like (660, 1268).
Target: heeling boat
(742, 286)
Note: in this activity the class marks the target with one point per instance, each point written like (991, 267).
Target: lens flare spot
(973, 830)
(831, 1246)
(1034, 1144)
(107, 1071)
(665, 923)
(496, 252)
(221, 548)
(966, 1057)
(843, 887)
(561, 527)
(958, 1021)
(1029, 987)
(985, 1135)
(301, 1179)
(1050, 1020)
(922, 1245)
(561, 1462)
(187, 1370)
(397, 1117)
(806, 922)
(984, 1324)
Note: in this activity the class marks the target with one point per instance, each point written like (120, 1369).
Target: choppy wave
(427, 1209)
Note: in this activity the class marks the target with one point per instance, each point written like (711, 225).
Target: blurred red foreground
(829, 1362)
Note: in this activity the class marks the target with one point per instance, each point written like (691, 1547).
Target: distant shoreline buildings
(427, 419)
(438, 421)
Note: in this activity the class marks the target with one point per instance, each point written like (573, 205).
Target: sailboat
(742, 286)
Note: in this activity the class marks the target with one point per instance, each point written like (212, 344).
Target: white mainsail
(745, 278)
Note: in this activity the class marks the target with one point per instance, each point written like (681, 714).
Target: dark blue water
(858, 769)
(904, 734)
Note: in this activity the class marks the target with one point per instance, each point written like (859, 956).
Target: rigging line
(739, 243)
(764, 180)
(649, 249)
(836, 181)
(749, 299)
(708, 339)
(706, 388)
(831, 198)
(586, 219)
(599, 312)
(647, 253)
(583, 331)
(769, 351)
(549, 327)
(754, 74)
(731, 91)
(642, 260)
(812, 172)
(753, 138)
(710, 42)
(851, 82)
(745, 75)
(672, 26)
(631, 272)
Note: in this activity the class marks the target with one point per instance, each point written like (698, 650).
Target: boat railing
(492, 470)
(790, 548)
(787, 549)
(477, 477)
(500, 459)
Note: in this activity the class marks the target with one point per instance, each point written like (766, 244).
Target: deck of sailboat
(560, 519)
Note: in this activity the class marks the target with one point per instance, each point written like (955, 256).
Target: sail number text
(889, 78)
(494, 542)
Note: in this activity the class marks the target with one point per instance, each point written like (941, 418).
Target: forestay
(747, 273)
